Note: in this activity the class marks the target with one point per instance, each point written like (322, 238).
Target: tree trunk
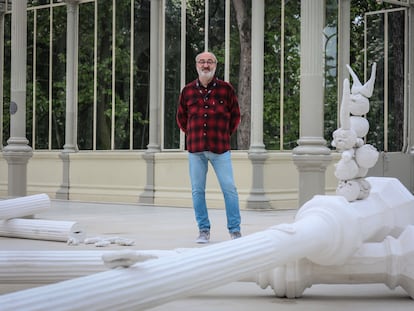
(244, 87)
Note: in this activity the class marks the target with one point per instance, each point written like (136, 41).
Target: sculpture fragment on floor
(24, 206)
(41, 229)
(390, 263)
(34, 228)
(372, 263)
(328, 231)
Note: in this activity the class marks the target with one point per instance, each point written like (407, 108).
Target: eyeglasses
(208, 62)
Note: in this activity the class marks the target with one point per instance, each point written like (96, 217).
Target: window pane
(141, 73)
(42, 79)
(86, 76)
(331, 85)
(275, 77)
(6, 79)
(104, 76)
(291, 65)
(396, 83)
(375, 53)
(272, 55)
(122, 74)
(59, 77)
(29, 73)
(172, 73)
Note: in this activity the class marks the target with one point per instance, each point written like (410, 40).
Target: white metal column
(312, 156)
(257, 152)
(18, 152)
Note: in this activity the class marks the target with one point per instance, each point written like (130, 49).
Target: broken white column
(372, 263)
(24, 206)
(46, 267)
(390, 263)
(40, 229)
(327, 230)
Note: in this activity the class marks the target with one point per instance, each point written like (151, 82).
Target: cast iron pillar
(311, 156)
(257, 152)
(18, 152)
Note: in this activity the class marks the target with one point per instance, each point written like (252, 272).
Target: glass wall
(113, 74)
(386, 45)
(114, 61)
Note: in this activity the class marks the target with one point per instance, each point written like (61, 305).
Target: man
(208, 113)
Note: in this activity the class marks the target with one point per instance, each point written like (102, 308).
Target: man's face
(206, 66)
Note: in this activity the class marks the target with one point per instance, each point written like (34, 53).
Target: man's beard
(206, 75)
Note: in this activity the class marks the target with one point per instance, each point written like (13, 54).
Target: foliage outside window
(114, 58)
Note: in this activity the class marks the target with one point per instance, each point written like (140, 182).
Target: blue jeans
(223, 168)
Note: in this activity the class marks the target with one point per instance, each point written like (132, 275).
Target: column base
(257, 198)
(148, 195)
(17, 156)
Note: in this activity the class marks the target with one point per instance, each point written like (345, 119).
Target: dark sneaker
(204, 237)
(235, 235)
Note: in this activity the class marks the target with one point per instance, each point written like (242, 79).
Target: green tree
(375, 53)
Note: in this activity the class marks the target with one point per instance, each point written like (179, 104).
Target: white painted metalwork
(183, 58)
(282, 76)
(2, 11)
(95, 75)
(131, 79)
(113, 106)
(206, 24)
(227, 23)
(386, 38)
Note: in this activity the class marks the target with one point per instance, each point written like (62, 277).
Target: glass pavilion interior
(89, 90)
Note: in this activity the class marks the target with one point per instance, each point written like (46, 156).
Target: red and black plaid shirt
(208, 116)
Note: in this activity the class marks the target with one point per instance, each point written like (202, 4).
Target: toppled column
(390, 262)
(372, 263)
(328, 230)
(46, 267)
(24, 206)
(40, 229)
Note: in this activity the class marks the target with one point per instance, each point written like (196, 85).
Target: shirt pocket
(221, 107)
(193, 108)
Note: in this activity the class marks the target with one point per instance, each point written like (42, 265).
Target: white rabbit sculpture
(356, 156)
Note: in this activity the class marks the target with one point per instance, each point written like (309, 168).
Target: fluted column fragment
(46, 267)
(40, 229)
(24, 206)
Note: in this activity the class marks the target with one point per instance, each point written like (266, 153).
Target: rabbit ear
(368, 88)
(356, 83)
(344, 111)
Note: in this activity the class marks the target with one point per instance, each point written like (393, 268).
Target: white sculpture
(24, 206)
(356, 157)
(42, 229)
(328, 231)
(37, 229)
(372, 263)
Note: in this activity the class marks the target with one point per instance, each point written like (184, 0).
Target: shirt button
(206, 106)
(205, 124)
(204, 133)
(205, 115)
